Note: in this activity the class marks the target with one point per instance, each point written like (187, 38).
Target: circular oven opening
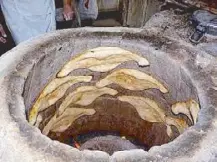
(110, 98)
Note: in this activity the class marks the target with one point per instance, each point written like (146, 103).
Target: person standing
(28, 18)
(88, 10)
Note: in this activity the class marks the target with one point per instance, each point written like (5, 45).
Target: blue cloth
(28, 18)
(89, 12)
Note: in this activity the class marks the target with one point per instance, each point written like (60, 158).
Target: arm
(3, 34)
(68, 11)
(67, 2)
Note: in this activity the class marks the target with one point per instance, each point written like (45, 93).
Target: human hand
(3, 35)
(68, 12)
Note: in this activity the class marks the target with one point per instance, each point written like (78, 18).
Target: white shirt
(28, 18)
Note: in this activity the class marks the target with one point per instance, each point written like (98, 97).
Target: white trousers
(28, 18)
(89, 10)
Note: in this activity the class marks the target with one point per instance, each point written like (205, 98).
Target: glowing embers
(67, 99)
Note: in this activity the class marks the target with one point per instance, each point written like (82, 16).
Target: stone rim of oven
(18, 62)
